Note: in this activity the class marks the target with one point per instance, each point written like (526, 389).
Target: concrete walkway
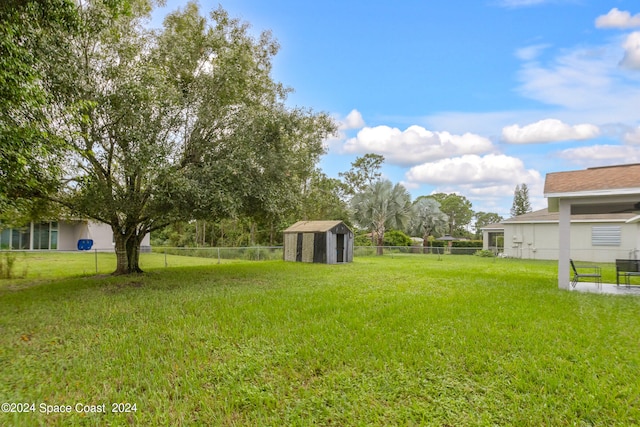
(607, 288)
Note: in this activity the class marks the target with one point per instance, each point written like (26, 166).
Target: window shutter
(606, 236)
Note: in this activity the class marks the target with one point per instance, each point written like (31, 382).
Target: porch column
(31, 227)
(564, 245)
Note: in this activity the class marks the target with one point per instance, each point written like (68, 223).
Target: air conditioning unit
(517, 239)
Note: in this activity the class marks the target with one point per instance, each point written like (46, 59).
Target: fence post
(96, 256)
(165, 257)
(218, 255)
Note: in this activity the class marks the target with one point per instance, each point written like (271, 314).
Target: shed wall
(307, 247)
(290, 240)
(349, 249)
(331, 248)
(319, 247)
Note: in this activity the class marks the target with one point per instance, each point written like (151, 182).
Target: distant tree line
(381, 212)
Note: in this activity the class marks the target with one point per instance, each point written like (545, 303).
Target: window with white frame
(44, 236)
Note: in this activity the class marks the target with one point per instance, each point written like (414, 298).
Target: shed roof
(312, 226)
(594, 180)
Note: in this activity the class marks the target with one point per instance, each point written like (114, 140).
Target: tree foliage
(521, 204)
(321, 199)
(364, 172)
(32, 31)
(427, 219)
(174, 124)
(380, 207)
(485, 218)
(458, 210)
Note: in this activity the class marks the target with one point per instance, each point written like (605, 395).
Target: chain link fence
(249, 253)
(48, 263)
(266, 253)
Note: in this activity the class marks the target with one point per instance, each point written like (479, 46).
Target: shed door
(340, 247)
(320, 248)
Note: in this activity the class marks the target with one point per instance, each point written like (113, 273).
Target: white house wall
(541, 241)
(102, 236)
(69, 232)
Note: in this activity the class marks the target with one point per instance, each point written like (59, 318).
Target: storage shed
(326, 242)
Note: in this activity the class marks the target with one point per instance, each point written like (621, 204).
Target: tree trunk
(380, 249)
(127, 253)
(272, 235)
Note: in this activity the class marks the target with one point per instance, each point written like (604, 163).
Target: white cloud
(586, 84)
(491, 170)
(487, 181)
(548, 130)
(577, 80)
(353, 120)
(601, 155)
(415, 144)
(529, 53)
(632, 137)
(631, 47)
(618, 19)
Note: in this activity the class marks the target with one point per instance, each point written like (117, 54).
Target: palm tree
(426, 219)
(382, 205)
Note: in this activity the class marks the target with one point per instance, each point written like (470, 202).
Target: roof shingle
(593, 179)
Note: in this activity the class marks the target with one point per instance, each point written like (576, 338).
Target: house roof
(312, 226)
(606, 179)
(495, 226)
(543, 215)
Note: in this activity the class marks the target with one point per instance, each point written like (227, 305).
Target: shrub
(363, 239)
(396, 238)
(7, 266)
(485, 254)
(467, 244)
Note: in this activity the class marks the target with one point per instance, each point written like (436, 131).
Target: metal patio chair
(594, 274)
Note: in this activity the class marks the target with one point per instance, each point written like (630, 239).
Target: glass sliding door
(20, 238)
(45, 236)
(5, 239)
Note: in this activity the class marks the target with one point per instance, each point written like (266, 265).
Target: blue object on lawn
(85, 244)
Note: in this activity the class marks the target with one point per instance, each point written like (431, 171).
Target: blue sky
(467, 96)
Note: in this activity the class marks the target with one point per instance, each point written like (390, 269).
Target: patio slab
(607, 288)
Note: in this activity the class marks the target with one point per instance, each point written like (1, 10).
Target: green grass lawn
(403, 341)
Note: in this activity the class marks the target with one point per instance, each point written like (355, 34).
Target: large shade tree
(381, 206)
(179, 123)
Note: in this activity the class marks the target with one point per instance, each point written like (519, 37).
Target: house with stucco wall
(594, 237)
(599, 190)
(62, 235)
